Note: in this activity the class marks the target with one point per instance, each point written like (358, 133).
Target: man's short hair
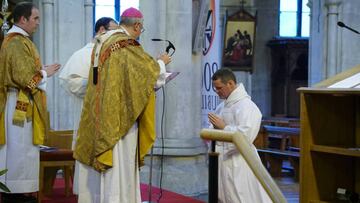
(225, 75)
(22, 9)
(104, 21)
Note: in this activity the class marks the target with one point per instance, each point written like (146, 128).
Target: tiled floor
(287, 184)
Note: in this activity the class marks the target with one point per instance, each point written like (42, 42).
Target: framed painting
(239, 38)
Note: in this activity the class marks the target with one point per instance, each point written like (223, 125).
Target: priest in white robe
(237, 182)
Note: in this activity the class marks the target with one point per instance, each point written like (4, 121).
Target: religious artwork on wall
(239, 38)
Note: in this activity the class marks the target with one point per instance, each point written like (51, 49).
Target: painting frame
(239, 41)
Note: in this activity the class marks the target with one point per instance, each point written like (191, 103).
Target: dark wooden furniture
(289, 70)
(280, 146)
(52, 161)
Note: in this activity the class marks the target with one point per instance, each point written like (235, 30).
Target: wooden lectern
(330, 140)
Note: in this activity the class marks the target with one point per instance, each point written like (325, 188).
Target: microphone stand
(213, 174)
(150, 177)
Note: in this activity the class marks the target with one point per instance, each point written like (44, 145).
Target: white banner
(210, 61)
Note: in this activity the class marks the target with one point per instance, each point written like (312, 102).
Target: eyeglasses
(141, 26)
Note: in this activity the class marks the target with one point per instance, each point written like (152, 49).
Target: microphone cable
(162, 145)
(168, 48)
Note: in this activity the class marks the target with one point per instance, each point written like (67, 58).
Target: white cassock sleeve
(42, 84)
(74, 76)
(162, 76)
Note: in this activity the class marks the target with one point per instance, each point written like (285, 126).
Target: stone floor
(286, 183)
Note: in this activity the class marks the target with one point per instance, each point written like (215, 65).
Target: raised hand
(164, 57)
(51, 69)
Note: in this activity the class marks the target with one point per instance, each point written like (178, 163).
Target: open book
(349, 78)
(169, 76)
(47, 148)
(350, 82)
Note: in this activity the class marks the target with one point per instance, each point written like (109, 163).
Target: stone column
(317, 43)
(332, 37)
(48, 22)
(49, 47)
(63, 29)
(178, 151)
(89, 27)
(267, 17)
(310, 5)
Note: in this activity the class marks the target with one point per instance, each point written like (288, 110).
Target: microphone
(341, 24)
(170, 46)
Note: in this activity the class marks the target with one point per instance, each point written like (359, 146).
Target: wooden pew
(52, 161)
(282, 143)
(281, 121)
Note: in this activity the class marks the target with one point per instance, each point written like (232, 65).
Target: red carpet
(58, 195)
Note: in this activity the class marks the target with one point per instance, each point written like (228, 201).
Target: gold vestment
(124, 94)
(20, 69)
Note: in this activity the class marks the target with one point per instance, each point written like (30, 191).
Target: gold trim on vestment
(35, 80)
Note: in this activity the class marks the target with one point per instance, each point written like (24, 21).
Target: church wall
(179, 105)
(333, 49)
(65, 26)
(350, 41)
(267, 28)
